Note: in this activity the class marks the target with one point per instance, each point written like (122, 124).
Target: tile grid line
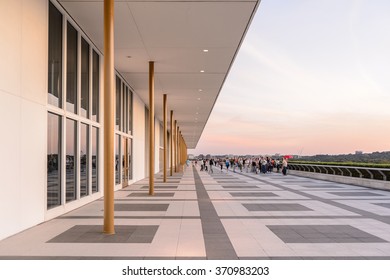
(332, 202)
(217, 242)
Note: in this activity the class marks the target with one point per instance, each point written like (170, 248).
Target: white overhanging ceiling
(174, 34)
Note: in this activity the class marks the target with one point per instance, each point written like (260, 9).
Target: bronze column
(165, 137)
(109, 117)
(175, 148)
(171, 143)
(151, 127)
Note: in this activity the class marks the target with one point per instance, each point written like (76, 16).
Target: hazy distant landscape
(376, 159)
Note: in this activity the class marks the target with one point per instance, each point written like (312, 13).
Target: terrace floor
(220, 215)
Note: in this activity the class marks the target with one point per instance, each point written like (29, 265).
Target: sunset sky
(312, 77)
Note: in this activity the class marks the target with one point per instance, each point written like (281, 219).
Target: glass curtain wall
(84, 160)
(53, 160)
(95, 86)
(55, 57)
(147, 142)
(95, 159)
(73, 114)
(117, 159)
(123, 127)
(71, 177)
(161, 150)
(84, 78)
(130, 157)
(130, 112)
(125, 111)
(71, 69)
(72, 170)
(118, 95)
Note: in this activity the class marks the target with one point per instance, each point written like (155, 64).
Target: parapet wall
(375, 184)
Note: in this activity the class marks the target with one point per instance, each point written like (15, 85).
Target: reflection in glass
(84, 160)
(95, 159)
(71, 69)
(129, 152)
(146, 139)
(161, 135)
(55, 57)
(118, 104)
(117, 158)
(161, 159)
(124, 109)
(70, 160)
(124, 158)
(95, 86)
(84, 78)
(130, 128)
(53, 161)
(169, 149)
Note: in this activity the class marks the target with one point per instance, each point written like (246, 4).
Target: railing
(348, 171)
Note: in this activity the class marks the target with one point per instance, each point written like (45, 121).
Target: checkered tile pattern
(223, 215)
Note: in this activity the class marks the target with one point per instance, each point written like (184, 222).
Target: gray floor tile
(162, 194)
(253, 194)
(386, 205)
(323, 234)
(141, 207)
(94, 234)
(160, 187)
(275, 207)
(240, 187)
(357, 194)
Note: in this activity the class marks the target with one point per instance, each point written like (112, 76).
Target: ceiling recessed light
(199, 98)
(205, 50)
(201, 71)
(200, 90)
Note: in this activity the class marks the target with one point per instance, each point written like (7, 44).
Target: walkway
(197, 215)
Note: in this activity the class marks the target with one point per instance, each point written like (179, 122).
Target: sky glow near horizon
(311, 77)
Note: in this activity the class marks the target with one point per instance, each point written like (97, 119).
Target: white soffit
(174, 35)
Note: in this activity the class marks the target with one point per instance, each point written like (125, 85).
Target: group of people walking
(256, 165)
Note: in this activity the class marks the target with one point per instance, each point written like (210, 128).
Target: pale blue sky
(312, 76)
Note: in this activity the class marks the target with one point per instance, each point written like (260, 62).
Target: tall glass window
(118, 104)
(146, 139)
(124, 109)
(161, 135)
(71, 69)
(124, 159)
(71, 190)
(161, 159)
(161, 150)
(84, 78)
(55, 57)
(73, 86)
(95, 159)
(117, 159)
(53, 160)
(95, 86)
(84, 160)
(130, 112)
(130, 151)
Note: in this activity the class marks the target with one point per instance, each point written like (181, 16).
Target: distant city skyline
(311, 77)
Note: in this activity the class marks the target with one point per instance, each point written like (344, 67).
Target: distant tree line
(376, 157)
